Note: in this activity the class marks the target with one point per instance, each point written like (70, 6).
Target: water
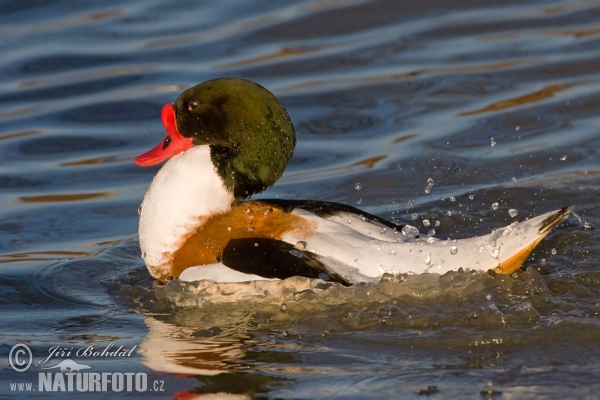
(494, 101)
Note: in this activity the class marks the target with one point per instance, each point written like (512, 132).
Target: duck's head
(250, 134)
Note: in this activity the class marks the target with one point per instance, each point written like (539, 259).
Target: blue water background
(496, 101)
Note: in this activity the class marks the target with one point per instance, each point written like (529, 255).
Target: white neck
(183, 191)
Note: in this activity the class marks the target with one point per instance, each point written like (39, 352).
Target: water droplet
(414, 216)
(428, 259)
(495, 252)
(140, 210)
(410, 231)
(449, 213)
(494, 206)
(229, 228)
(430, 240)
(553, 251)
(358, 186)
(300, 245)
(250, 229)
(471, 196)
(426, 222)
(383, 230)
(517, 128)
(429, 185)
(255, 244)
(453, 250)
(492, 142)
(268, 211)
(359, 201)
(248, 213)
(512, 212)
(581, 221)
(144, 254)
(509, 229)
(393, 252)
(494, 236)
(431, 232)
(452, 198)
(563, 158)
(437, 223)
(283, 307)
(514, 179)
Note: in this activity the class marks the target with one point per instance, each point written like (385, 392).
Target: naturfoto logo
(67, 376)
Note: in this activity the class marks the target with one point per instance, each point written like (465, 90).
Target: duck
(228, 139)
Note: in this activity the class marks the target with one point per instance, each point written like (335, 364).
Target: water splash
(410, 231)
(301, 245)
(585, 224)
(495, 252)
(293, 294)
(430, 183)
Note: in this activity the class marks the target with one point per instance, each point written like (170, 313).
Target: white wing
(361, 250)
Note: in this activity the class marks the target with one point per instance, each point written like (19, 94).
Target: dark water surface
(496, 101)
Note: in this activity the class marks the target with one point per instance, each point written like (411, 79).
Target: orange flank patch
(251, 219)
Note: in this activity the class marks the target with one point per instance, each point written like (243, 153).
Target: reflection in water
(177, 349)
(536, 96)
(45, 256)
(51, 198)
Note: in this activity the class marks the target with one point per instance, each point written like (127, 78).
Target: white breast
(184, 190)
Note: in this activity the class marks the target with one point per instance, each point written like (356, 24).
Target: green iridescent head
(250, 134)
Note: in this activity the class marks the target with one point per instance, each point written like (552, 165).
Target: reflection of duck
(228, 139)
(180, 350)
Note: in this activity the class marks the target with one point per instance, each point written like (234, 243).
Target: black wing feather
(272, 258)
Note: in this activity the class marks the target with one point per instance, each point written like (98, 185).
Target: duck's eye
(166, 142)
(192, 105)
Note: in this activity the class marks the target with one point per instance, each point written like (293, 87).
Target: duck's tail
(505, 249)
(516, 242)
